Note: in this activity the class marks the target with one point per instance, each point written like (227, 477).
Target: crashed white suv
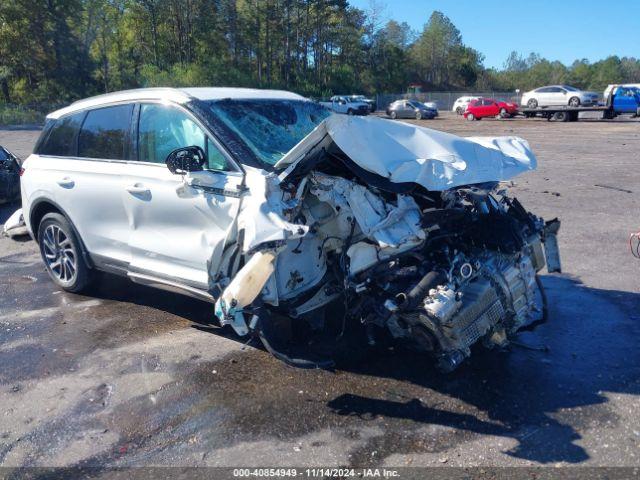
(297, 224)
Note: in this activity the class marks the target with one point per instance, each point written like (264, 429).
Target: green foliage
(15, 115)
(56, 51)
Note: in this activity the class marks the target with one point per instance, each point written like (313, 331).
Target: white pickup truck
(347, 105)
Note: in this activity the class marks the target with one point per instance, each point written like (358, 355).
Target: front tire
(393, 115)
(459, 110)
(350, 112)
(574, 102)
(471, 117)
(62, 254)
(503, 113)
(418, 115)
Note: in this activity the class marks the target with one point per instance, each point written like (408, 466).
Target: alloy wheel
(59, 254)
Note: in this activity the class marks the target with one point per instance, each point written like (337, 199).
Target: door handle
(138, 189)
(66, 182)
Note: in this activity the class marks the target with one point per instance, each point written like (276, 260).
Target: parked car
(489, 107)
(432, 106)
(362, 98)
(409, 109)
(555, 95)
(461, 104)
(623, 100)
(612, 87)
(289, 219)
(344, 104)
(9, 176)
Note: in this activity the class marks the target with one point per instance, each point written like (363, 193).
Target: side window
(62, 137)
(105, 133)
(163, 128)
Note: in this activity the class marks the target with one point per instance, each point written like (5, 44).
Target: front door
(179, 224)
(625, 101)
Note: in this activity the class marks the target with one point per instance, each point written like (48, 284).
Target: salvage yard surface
(133, 376)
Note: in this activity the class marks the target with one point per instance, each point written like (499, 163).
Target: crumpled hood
(400, 152)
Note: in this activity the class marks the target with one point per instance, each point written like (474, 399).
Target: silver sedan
(556, 95)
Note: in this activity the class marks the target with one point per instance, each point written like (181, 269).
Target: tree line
(55, 51)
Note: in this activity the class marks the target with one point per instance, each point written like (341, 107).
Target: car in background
(347, 105)
(612, 88)
(432, 105)
(9, 176)
(555, 95)
(362, 98)
(489, 107)
(461, 104)
(410, 109)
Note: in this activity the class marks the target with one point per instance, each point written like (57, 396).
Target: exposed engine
(439, 271)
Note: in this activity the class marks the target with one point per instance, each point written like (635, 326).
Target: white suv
(296, 223)
(97, 194)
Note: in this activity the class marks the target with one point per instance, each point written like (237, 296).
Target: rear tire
(61, 253)
(532, 103)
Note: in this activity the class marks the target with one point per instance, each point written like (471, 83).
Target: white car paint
(401, 152)
(163, 225)
(347, 105)
(461, 104)
(558, 95)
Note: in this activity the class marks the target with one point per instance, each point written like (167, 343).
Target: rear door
(88, 153)
(557, 96)
(178, 224)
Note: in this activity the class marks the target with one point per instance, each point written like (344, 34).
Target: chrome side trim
(170, 286)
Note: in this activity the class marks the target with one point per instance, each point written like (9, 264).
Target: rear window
(61, 138)
(105, 133)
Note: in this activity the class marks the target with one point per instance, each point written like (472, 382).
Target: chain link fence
(26, 114)
(444, 100)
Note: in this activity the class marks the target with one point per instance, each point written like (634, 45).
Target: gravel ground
(133, 376)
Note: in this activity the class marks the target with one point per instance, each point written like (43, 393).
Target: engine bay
(436, 271)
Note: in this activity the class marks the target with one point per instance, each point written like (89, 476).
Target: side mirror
(186, 159)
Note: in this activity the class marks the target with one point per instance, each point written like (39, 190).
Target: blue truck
(621, 100)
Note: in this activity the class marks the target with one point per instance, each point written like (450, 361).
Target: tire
(471, 117)
(393, 115)
(532, 103)
(350, 112)
(418, 115)
(574, 102)
(561, 116)
(459, 111)
(503, 113)
(62, 253)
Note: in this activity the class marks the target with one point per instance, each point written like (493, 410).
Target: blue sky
(563, 30)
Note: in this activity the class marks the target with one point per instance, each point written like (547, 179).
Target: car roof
(178, 95)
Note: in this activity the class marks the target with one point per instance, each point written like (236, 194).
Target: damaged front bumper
(343, 240)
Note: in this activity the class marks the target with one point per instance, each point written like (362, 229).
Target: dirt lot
(131, 376)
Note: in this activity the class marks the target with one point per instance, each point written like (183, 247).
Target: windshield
(270, 128)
